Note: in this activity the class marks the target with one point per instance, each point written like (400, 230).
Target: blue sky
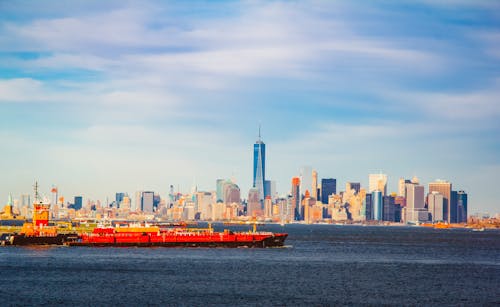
(98, 97)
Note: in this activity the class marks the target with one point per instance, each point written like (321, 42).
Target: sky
(99, 97)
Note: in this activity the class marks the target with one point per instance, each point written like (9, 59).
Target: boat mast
(37, 196)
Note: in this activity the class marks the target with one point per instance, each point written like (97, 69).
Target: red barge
(150, 236)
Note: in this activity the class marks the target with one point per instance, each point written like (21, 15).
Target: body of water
(321, 265)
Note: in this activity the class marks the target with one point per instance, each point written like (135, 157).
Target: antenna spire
(37, 196)
(259, 133)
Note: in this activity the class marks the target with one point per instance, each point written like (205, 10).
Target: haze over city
(98, 98)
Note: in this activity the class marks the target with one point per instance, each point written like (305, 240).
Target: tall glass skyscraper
(377, 205)
(259, 166)
(328, 187)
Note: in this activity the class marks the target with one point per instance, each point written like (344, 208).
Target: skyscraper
(435, 206)
(314, 188)
(220, 189)
(389, 209)
(402, 186)
(377, 205)
(368, 207)
(356, 186)
(119, 198)
(78, 203)
(328, 187)
(443, 187)
(147, 201)
(296, 198)
(415, 203)
(259, 166)
(377, 182)
(305, 179)
(453, 207)
(462, 207)
(254, 207)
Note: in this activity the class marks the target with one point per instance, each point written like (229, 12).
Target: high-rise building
(443, 187)
(435, 202)
(453, 207)
(328, 187)
(461, 207)
(314, 188)
(220, 189)
(296, 198)
(259, 167)
(377, 182)
(377, 205)
(267, 188)
(254, 206)
(305, 179)
(389, 209)
(204, 204)
(119, 198)
(25, 200)
(368, 207)
(231, 193)
(138, 201)
(273, 193)
(415, 204)
(147, 201)
(78, 203)
(402, 186)
(356, 186)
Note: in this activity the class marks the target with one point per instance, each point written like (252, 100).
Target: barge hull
(273, 241)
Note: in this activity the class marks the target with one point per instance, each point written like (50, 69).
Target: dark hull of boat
(23, 240)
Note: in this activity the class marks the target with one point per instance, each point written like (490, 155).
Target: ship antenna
(35, 187)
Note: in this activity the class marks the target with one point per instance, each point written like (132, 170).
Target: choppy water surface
(321, 265)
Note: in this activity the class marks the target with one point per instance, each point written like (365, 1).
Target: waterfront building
(254, 207)
(402, 186)
(231, 193)
(119, 198)
(314, 187)
(77, 205)
(267, 188)
(25, 200)
(377, 182)
(368, 207)
(147, 201)
(259, 166)
(268, 207)
(125, 204)
(443, 187)
(462, 207)
(377, 205)
(307, 202)
(305, 179)
(273, 193)
(435, 202)
(453, 207)
(415, 204)
(389, 209)
(218, 211)
(296, 198)
(138, 201)
(356, 186)
(219, 189)
(328, 187)
(204, 204)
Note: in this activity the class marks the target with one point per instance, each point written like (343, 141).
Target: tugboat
(38, 232)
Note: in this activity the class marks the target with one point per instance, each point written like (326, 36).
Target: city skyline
(102, 98)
